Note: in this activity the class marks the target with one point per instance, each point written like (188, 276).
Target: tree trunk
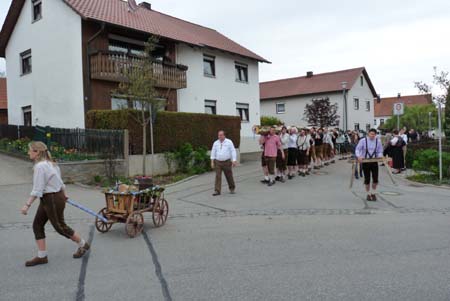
(144, 142)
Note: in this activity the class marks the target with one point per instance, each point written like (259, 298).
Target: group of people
(295, 151)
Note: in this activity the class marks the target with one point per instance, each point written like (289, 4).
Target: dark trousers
(227, 168)
(270, 161)
(368, 169)
(51, 207)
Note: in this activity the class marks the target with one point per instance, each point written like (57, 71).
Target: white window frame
(35, 3)
(241, 108)
(237, 67)
(277, 108)
(211, 59)
(211, 104)
(356, 103)
(23, 56)
(119, 103)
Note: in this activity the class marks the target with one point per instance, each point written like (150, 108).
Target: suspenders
(371, 156)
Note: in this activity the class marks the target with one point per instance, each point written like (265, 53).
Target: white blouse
(46, 179)
(292, 141)
(285, 140)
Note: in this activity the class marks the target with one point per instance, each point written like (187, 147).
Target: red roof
(3, 96)
(117, 12)
(318, 83)
(386, 105)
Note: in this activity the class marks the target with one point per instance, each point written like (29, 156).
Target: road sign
(399, 109)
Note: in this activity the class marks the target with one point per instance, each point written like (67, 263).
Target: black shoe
(316, 167)
(271, 183)
(326, 164)
(303, 174)
(265, 181)
(374, 197)
(290, 177)
(282, 180)
(216, 193)
(332, 162)
(369, 198)
(307, 173)
(277, 178)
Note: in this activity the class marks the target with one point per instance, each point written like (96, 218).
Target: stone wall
(85, 171)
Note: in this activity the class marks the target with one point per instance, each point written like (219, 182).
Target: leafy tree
(415, 117)
(270, 120)
(138, 86)
(321, 113)
(441, 80)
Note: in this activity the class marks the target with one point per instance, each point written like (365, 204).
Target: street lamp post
(345, 117)
(429, 123)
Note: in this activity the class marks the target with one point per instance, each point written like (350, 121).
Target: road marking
(158, 269)
(81, 279)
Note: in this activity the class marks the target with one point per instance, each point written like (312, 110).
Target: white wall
(54, 89)
(379, 120)
(223, 88)
(295, 107)
(361, 116)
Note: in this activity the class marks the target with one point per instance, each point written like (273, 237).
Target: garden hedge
(171, 129)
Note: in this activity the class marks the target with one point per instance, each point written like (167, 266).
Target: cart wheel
(160, 212)
(101, 225)
(135, 224)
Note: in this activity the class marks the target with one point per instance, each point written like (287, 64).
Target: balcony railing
(112, 66)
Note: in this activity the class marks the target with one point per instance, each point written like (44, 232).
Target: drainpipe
(88, 67)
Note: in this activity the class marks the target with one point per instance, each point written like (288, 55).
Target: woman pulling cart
(50, 188)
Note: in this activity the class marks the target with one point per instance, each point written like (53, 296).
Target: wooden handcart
(128, 208)
(383, 160)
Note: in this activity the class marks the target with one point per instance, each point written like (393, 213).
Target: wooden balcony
(111, 66)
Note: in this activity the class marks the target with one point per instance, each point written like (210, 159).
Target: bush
(171, 129)
(190, 161)
(428, 160)
(270, 120)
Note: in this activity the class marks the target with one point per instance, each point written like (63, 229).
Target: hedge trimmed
(171, 129)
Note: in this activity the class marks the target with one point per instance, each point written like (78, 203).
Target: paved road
(308, 239)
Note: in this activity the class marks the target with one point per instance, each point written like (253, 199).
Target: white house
(65, 57)
(286, 99)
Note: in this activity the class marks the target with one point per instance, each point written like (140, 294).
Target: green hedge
(428, 160)
(171, 129)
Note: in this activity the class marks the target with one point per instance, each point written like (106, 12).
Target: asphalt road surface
(307, 239)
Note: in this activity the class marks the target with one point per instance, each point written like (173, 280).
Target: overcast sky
(398, 42)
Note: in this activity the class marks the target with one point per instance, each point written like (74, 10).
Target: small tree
(415, 117)
(321, 113)
(441, 80)
(138, 85)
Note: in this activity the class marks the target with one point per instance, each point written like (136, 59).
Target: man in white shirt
(405, 147)
(223, 158)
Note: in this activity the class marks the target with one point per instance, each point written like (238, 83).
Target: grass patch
(429, 179)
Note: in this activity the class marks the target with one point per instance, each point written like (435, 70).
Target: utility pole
(440, 139)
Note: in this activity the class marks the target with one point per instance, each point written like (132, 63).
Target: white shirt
(303, 142)
(292, 141)
(223, 151)
(284, 140)
(405, 138)
(46, 179)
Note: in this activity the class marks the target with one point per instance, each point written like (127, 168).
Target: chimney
(132, 6)
(146, 5)
(378, 98)
(399, 95)
(309, 74)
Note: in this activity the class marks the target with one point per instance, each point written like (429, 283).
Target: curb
(414, 184)
(182, 181)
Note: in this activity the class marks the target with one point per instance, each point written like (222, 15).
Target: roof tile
(318, 83)
(116, 12)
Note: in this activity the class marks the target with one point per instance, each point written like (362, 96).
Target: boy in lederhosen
(370, 147)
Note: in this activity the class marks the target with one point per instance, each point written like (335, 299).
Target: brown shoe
(81, 251)
(36, 261)
(374, 197)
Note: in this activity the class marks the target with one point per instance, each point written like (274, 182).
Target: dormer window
(37, 10)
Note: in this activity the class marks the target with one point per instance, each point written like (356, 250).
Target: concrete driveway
(308, 239)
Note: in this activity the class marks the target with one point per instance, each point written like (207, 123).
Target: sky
(399, 42)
